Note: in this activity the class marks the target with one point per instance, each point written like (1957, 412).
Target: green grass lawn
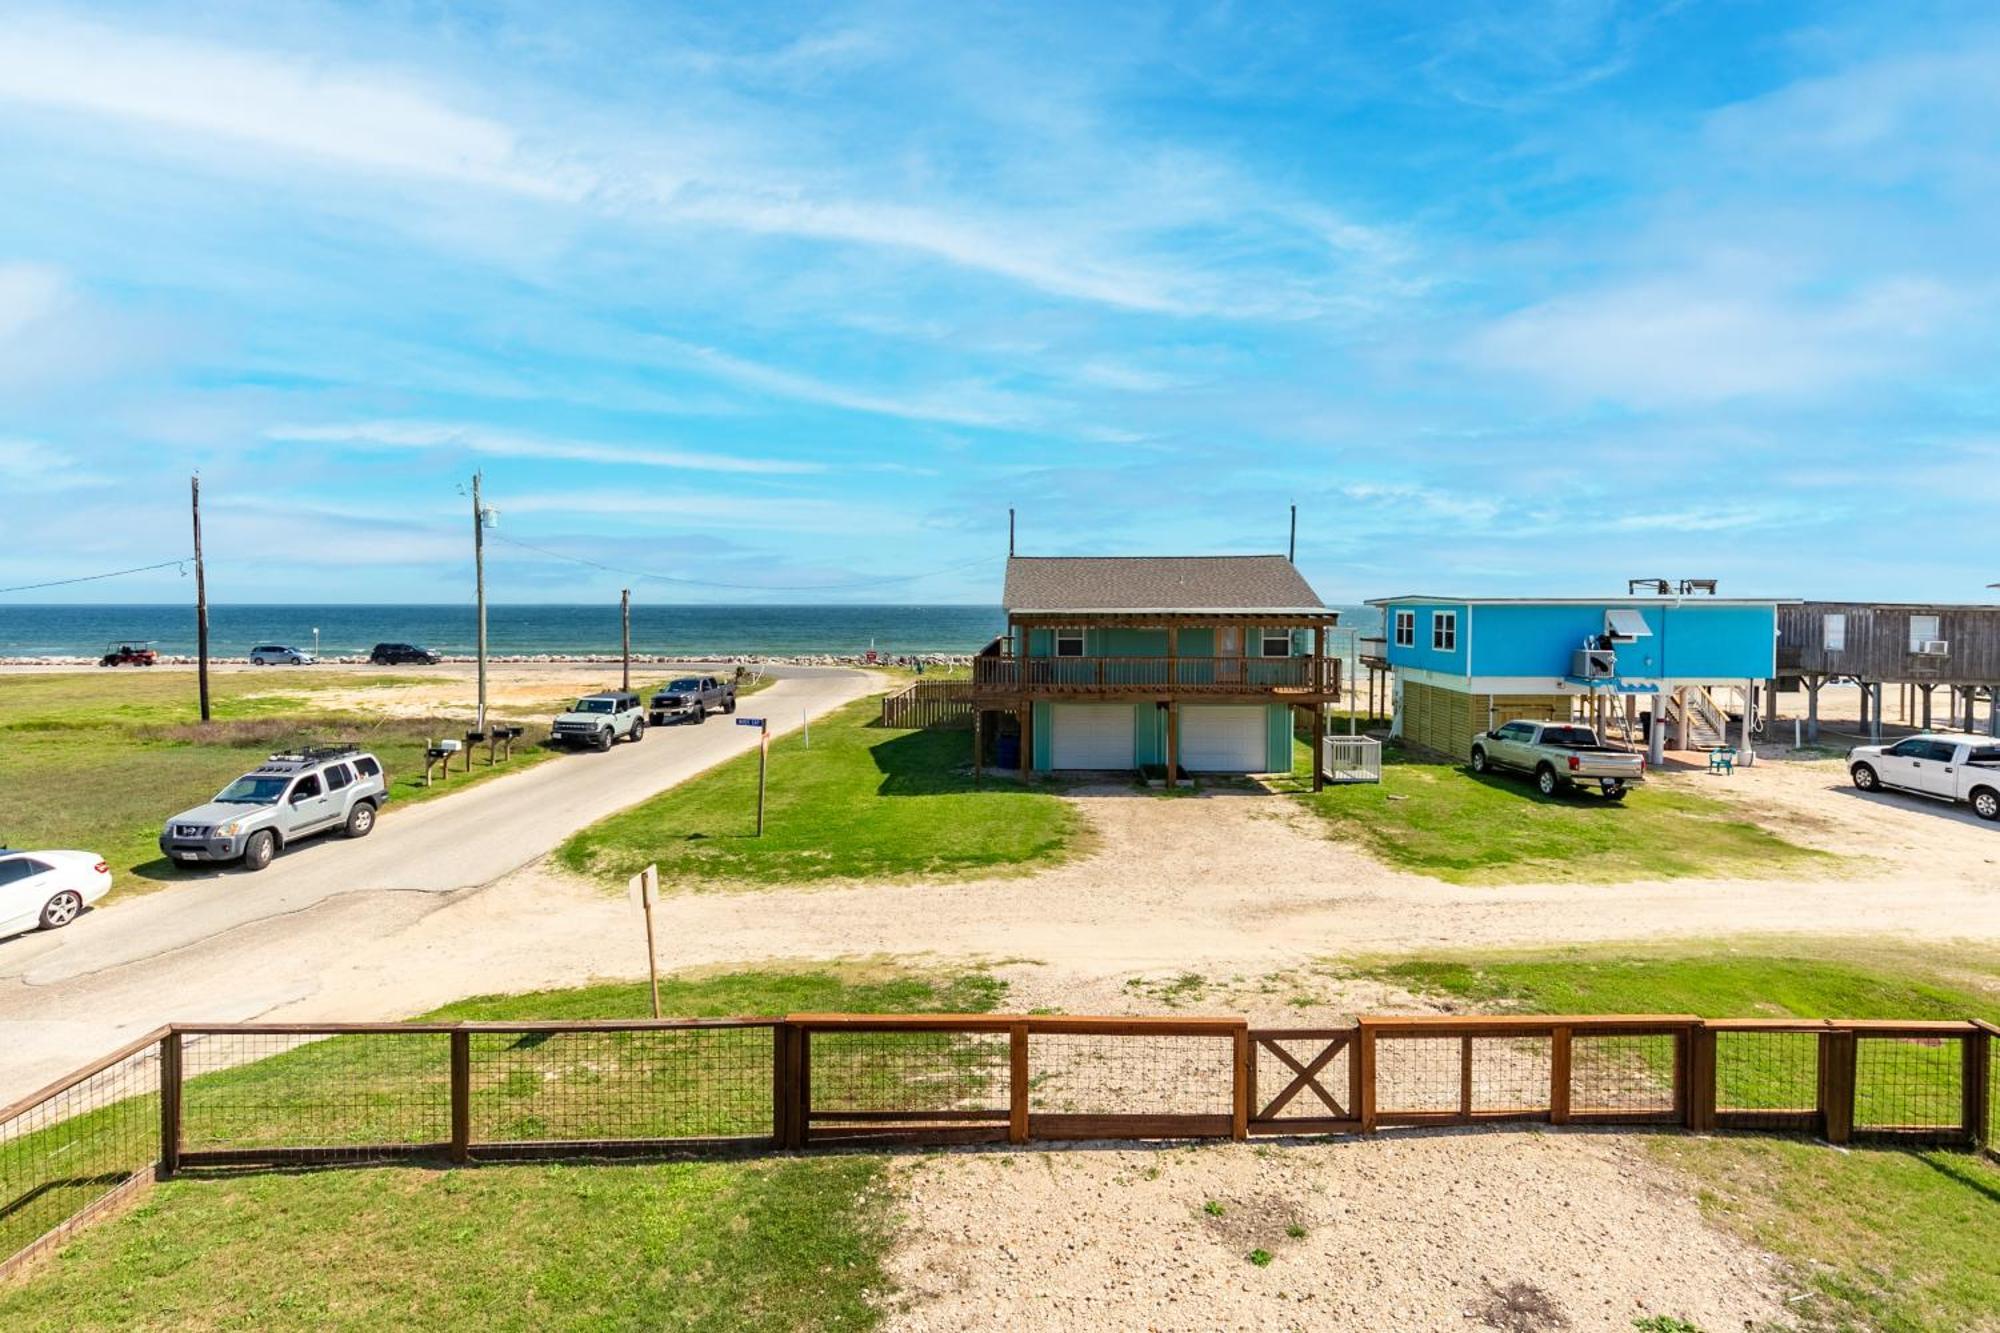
(99, 761)
(859, 802)
(1436, 818)
(787, 1244)
(1875, 1238)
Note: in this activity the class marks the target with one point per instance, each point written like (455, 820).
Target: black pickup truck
(691, 699)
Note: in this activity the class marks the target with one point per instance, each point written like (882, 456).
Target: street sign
(749, 721)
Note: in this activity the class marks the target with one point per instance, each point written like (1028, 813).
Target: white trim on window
(1923, 630)
(1281, 637)
(1406, 629)
(1833, 632)
(1069, 643)
(1444, 631)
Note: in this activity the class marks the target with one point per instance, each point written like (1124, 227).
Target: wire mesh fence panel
(1908, 1083)
(1623, 1074)
(653, 1083)
(863, 1071)
(1772, 1074)
(1325, 1096)
(70, 1151)
(1124, 1074)
(1510, 1075)
(256, 1090)
(1419, 1075)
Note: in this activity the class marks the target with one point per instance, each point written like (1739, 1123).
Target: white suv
(269, 653)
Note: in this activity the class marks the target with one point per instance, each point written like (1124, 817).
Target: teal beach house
(1695, 664)
(1175, 664)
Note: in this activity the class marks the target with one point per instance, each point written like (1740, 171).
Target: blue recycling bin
(1007, 750)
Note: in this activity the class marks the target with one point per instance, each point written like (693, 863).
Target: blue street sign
(749, 721)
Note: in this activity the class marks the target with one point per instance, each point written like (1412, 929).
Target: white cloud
(1696, 339)
(28, 292)
(31, 465)
(360, 118)
(504, 444)
(961, 404)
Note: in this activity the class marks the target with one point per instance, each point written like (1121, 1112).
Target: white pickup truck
(1945, 767)
(1559, 755)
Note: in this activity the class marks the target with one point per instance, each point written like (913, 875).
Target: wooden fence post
(170, 1105)
(1560, 1054)
(1364, 1049)
(1698, 1074)
(1017, 1083)
(1239, 1124)
(461, 1096)
(1836, 1085)
(787, 1103)
(1978, 1063)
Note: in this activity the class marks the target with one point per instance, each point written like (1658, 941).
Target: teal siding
(1278, 739)
(1040, 740)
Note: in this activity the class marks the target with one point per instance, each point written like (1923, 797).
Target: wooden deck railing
(195, 1096)
(929, 703)
(1211, 675)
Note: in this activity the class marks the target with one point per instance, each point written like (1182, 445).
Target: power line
(741, 587)
(92, 578)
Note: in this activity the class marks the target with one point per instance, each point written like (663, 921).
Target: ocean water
(694, 631)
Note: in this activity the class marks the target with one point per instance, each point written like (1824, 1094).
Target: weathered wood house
(1923, 645)
(1186, 663)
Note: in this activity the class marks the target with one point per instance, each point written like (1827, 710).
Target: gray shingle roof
(1156, 583)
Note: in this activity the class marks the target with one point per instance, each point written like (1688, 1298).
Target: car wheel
(602, 741)
(257, 853)
(1615, 792)
(1546, 781)
(1480, 763)
(60, 910)
(1864, 777)
(638, 732)
(256, 661)
(1986, 803)
(360, 820)
(729, 705)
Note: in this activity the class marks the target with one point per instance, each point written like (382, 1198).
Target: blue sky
(1506, 297)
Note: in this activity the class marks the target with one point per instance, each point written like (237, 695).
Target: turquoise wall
(1689, 641)
(1421, 655)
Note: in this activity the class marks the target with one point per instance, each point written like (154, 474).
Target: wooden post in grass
(170, 1105)
(646, 885)
(763, 770)
(1836, 1084)
(461, 1094)
(200, 600)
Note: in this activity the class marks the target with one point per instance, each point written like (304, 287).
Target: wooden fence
(194, 1096)
(929, 703)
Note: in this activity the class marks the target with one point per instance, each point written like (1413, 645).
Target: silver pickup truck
(1560, 755)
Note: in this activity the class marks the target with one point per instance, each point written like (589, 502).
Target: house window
(1277, 643)
(1923, 629)
(1444, 631)
(1406, 629)
(1069, 643)
(1833, 634)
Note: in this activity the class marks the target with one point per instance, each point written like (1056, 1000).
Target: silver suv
(599, 719)
(284, 799)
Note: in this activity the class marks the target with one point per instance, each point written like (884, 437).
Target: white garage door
(1090, 736)
(1222, 740)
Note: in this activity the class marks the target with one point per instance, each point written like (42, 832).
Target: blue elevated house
(1693, 663)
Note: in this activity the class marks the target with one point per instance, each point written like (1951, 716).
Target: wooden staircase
(1705, 724)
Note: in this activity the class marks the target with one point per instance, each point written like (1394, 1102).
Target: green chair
(1722, 759)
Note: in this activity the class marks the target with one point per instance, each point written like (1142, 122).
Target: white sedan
(48, 889)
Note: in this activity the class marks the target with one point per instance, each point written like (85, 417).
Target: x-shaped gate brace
(1305, 1075)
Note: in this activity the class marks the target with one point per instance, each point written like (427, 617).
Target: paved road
(238, 945)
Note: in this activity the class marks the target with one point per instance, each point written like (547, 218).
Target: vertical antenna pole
(200, 599)
(479, 582)
(1292, 548)
(625, 623)
(1010, 533)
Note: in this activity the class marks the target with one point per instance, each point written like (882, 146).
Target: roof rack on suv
(313, 754)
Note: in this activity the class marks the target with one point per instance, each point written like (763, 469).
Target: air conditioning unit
(1594, 664)
(1934, 647)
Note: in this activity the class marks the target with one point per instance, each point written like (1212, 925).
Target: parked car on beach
(1943, 767)
(269, 654)
(48, 890)
(691, 698)
(1559, 755)
(284, 799)
(597, 720)
(398, 654)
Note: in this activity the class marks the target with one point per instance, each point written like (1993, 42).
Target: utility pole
(1010, 533)
(1292, 548)
(625, 622)
(200, 599)
(479, 579)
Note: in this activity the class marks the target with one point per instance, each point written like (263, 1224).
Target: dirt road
(239, 945)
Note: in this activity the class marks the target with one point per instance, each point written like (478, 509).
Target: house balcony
(1277, 679)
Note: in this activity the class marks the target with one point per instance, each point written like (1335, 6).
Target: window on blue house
(1069, 643)
(1277, 643)
(1406, 629)
(1444, 631)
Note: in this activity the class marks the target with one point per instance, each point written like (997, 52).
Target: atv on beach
(129, 654)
